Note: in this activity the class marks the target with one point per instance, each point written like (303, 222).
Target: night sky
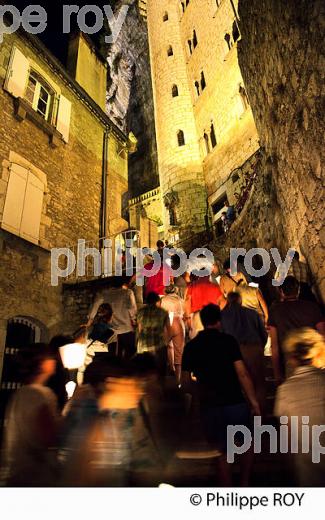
(53, 36)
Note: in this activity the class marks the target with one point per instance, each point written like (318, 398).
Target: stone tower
(179, 159)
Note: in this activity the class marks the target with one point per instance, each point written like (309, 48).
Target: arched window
(228, 40)
(172, 216)
(213, 138)
(165, 17)
(207, 144)
(194, 39)
(235, 31)
(170, 51)
(244, 97)
(197, 86)
(180, 138)
(203, 82)
(174, 90)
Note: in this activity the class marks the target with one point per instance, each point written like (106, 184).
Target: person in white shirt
(124, 308)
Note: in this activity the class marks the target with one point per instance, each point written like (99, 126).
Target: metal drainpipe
(103, 213)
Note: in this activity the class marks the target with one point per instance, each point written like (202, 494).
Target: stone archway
(18, 332)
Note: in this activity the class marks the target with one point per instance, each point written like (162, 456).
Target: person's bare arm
(247, 385)
(275, 355)
(263, 305)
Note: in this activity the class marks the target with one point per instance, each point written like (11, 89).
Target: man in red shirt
(159, 281)
(201, 292)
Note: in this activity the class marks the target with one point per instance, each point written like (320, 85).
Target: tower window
(213, 136)
(170, 51)
(165, 17)
(180, 138)
(203, 82)
(228, 40)
(194, 39)
(190, 46)
(235, 31)
(197, 86)
(174, 90)
(183, 6)
(172, 217)
(207, 144)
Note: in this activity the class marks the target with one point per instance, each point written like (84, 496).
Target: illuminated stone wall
(221, 103)
(180, 167)
(283, 62)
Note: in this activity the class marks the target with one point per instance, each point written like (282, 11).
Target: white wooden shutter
(15, 197)
(17, 75)
(32, 212)
(64, 117)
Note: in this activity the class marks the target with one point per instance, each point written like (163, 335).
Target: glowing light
(73, 355)
(70, 388)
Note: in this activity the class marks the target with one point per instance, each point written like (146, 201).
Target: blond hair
(307, 347)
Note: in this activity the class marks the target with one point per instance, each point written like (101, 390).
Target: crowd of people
(194, 346)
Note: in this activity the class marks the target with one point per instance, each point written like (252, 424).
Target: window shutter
(14, 202)
(33, 204)
(17, 74)
(64, 117)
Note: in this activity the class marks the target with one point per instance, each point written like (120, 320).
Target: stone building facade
(205, 128)
(282, 58)
(63, 172)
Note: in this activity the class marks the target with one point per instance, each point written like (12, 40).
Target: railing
(145, 196)
(99, 258)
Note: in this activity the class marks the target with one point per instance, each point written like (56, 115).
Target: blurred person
(246, 326)
(180, 282)
(301, 272)
(100, 338)
(59, 379)
(215, 276)
(124, 307)
(214, 358)
(303, 395)
(174, 305)
(30, 437)
(200, 292)
(117, 449)
(287, 315)
(154, 331)
(252, 298)
(229, 282)
(159, 281)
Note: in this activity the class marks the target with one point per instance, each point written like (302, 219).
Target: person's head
(234, 298)
(37, 363)
(290, 287)
(226, 265)
(170, 289)
(296, 256)
(160, 245)
(306, 347)
(118, 281)
(153, 299)
(80, 335)
(210, 316)
(215, 269)
(104, 314)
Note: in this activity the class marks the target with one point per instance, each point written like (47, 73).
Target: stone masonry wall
(282, 58)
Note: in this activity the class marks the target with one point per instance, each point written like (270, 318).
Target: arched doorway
(21, 332)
